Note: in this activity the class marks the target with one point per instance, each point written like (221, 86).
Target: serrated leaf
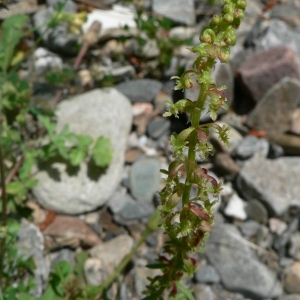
(102, 152)
(84, 140)
(77, 156)
(12, 32)
(16, 188)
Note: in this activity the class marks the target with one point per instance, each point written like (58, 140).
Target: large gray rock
(275, 110)
(239, 268)
(101, 112)
(176, 10)
(274, 182)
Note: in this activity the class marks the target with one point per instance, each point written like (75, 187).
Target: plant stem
(4, 217)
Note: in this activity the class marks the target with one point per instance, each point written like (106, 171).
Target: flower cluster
(184, 216)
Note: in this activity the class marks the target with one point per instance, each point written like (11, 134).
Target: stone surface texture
(176, 10)
(238, 267)
(263, 69)
(274, 113)
(101, 112)
(274, 182)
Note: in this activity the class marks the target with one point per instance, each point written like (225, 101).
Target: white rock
(236, 208)
(112, 21)
(101, 112)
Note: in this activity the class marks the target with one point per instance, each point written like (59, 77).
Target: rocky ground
(254, 248)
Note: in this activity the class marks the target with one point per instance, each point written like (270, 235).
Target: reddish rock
(142, 113)
(70, 231)
(291, 278)
(265, 68)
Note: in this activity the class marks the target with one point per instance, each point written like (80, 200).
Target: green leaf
(84, 140)
(104, 295)
(63, 268)
(12, 32)
(16, 188)
(102, 152)
(25, 296)
(185, 291)
(77, 156)
(156, 266)
(50, 127)
(183, 135)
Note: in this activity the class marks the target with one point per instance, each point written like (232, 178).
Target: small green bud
(188, 83)
(239, 14)
(228, 8)
(241, 4)
(216, 20)
(230, 37)
(208, 36)
(224, 55)
(229, 18)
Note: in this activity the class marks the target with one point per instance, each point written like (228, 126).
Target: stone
(288, 11)
(264, 239)
(145, 178)
(112, 22)
(70, 231)
(127, 210)
(45, 61)
(132, 154)
(235, 208)
(69, 6)
(31, 244)
(203, 292)
(176, 10)
(207, 274)
(275, 110)
(249, 145)
(95, 271)
(158, 127)
(64, 254)
(255, 210)
(226, 164)
(111, 253)
(239, 269)
(57, 39)
(250, 228)
(291, 278)
(274, 33)
(273, 182)
(182, 32)
(265, 68)
(295, 126)
(27, 7)
(140, 90)
(101, 112)
(277, 226)
(294, 249)
(290, 143)
(290, 297)
(142, 113)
